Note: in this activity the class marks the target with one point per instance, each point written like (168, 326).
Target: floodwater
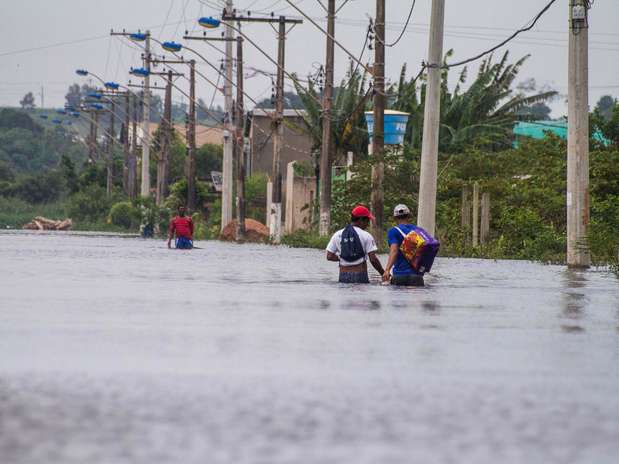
(116, 350)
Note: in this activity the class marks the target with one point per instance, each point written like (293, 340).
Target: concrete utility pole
(109, 162)
(578, 137)
(378, 134)
(327, 141)
(239, 144)
(145, 188)
(426, 213)
(191, 140)
(227, 178)
(278, 136)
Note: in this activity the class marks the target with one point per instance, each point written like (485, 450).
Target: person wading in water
(181, 226)
(353, 246)
(398, 270)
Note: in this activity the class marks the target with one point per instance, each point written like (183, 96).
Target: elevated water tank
(395, 126)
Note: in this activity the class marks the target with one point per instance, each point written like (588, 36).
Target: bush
(90, 204)
(150, 213)
(303, 239)
(39, 188)
(256, 196)
(123, 214)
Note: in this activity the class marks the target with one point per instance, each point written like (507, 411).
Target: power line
(501, 44)
(410, 13)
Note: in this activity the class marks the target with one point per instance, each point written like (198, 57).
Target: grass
(14, 213)
(303, 239)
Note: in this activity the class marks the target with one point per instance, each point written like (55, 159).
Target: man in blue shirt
(398, 271)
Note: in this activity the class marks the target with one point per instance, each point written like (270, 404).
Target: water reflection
(575, 300)
(431, 307)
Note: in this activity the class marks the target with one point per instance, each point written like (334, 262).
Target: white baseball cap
(401, 210)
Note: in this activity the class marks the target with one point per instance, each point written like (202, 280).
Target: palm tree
(348, 124)
(487, 110)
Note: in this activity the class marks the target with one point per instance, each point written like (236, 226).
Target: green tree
(348, 126)
(69, 173)
(486, 110)
(605, 107)
(27, 103)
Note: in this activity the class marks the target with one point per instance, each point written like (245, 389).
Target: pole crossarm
(209, 39)
(249, 19)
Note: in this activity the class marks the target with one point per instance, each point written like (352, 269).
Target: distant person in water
(181, 226)
(352, 246)
(398, 270)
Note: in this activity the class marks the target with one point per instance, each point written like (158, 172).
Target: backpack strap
(400, 230)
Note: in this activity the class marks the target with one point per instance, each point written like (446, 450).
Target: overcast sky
(75, 34)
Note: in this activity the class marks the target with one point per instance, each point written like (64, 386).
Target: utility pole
(378, 135)
(327, 140)
(132, 165)
(126, 146)
(239, 145)
(227, 178)
(278, 137)
(92, 135)
(109, 162)
(191, 139)
(145, 187)
(165, 134)
(426, 213)
(578, 254)
(275, 223)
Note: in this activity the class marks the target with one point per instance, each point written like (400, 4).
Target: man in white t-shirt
(352, 246)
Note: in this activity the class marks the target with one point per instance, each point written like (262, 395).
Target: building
(539, 129)
(297, 143)
(204, 134)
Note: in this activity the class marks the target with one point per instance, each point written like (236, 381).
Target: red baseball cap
(362, 211)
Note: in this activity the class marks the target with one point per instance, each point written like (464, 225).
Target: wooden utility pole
(227, 165)
(475, 214)
(426, 213)
(132, 168)
(147, 60)
(327, 141)
(239, 145)
(109, 161)
(126, 146)
(275, 222)
(578, 254)
(378, 134)
(191, 140)
(165, 129)
(145, 187)
(94, 122)
(484, 229)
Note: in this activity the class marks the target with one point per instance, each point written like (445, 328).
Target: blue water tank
(395, 126)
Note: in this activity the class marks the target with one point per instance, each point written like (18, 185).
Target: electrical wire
(410, 14)
(499, 45)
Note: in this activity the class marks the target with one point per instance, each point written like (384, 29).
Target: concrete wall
(300, 194)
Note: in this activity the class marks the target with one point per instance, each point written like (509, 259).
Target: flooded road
(117, 350)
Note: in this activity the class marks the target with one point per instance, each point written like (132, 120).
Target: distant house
(297, 143)
(204, 134)
(539, 130)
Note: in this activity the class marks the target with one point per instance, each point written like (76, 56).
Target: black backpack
(352, 249)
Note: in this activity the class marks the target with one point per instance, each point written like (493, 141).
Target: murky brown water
(116, 350)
